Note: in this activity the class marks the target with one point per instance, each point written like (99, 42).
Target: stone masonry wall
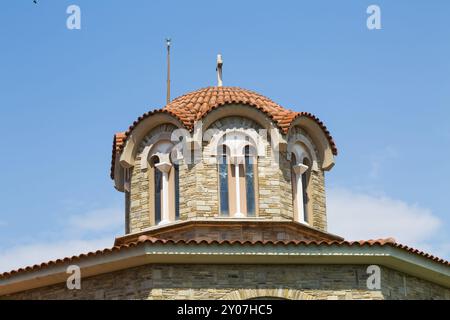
(240, 282)
(199, 190)
(206, 190)
(139, 214)
(237, 232)
(319, 200)
(139, 210)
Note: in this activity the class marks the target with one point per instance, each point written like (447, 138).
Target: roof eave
(204, 253)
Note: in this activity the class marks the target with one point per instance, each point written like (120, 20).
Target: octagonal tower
(224, 163)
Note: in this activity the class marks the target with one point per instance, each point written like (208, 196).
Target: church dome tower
(225, 199)
(222, 159)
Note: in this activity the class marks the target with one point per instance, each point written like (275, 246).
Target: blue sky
(383, 94)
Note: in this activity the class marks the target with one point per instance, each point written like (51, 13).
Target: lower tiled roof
(151, 240)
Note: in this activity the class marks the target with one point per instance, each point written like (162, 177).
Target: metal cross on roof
(219, 70)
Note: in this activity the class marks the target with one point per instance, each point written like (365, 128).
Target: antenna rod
(168, 69)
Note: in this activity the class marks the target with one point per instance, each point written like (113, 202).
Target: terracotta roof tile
(151, 240)
(193, 106)
(119, 140)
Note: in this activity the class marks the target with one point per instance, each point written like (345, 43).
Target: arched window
(223, 182)
(294, 186)
(155, 189)
(237, 178)
(305, 187)
(174, 187)
(176, 168)
(157, 195)
(300, 176)
(164, 184)
(250, 181)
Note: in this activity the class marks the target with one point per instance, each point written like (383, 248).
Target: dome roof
(193, 106)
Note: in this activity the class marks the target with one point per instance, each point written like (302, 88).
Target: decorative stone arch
(319, 138)
(239, 110)
(164, 133)
(142, 129)
(162, 175)
(219, 138)
(279, 293)
(235, 134)
(300, 152)
(301, 180)
(231, 122)
(297, 138)
(243, 111)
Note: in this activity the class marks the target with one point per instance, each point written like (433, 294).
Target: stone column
(165, 167)
(237, 161)
(299, 170)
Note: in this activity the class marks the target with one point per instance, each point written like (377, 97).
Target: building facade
(225, 198)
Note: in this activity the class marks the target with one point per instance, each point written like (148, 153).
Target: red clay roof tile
(193, 106)
(151, 240)
(119, 140)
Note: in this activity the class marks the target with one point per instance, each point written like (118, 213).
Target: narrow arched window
(177, 190)
(238, 183)
(294, 186)
(164, 183)
(157, 191)
(300, 172)
(223, 183)
(249, 182)
(305, 185)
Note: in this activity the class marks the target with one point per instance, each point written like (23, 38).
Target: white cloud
(359, 216)
(97, 220)
(377, 161)
(81, 233)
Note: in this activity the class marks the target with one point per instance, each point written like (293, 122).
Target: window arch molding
(307, 147)
(246, 136)
(147, 125)
(154, 140)
(238, 111)
(236, 153)
(301, 152)
(319, 138)
(162, 149)
(301, 167)
(163, 175)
